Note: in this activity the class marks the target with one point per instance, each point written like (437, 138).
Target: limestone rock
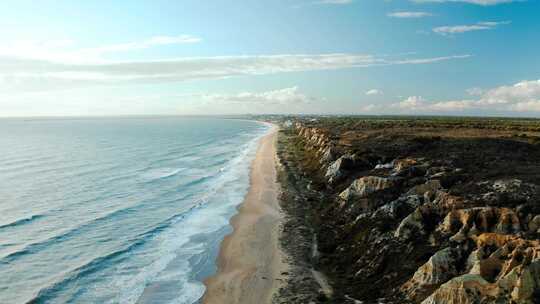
(367, 185)
(465, 289)
(430, 186)
(510, 185)
(534, 224)
(510, 192)
(503, 269)
(440, 268)
(438, 172)
(398, 208)
(328, 155)
(384, 166)
(336, 170)
(444, 201)
(404, 163)
(383, 225)
(473, 221)
(413, 223)
(517, 286)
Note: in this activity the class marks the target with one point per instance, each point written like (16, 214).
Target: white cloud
(157, 40)
(334, 2)
(369, 108)
(411, 103)
(521, 92)
(403, 14)
(286, 100)
(430, 60)
(451, 106)
(64, 51)
(374, 92)
(523, 96)
(526, 106)
(477, 2)
(458, 29)
(32, 74)
(475, 91)
(417, 104)
(105, 101)
(287, 96)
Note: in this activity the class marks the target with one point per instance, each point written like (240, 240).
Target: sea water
(117, 210)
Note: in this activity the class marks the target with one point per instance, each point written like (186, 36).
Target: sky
(194, 57)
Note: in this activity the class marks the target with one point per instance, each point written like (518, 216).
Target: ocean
(118, 210)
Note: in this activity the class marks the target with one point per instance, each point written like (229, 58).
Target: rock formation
(403, 218)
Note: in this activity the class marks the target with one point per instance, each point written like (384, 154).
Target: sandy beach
(250, 261)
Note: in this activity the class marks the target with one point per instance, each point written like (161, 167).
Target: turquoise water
(127, 210)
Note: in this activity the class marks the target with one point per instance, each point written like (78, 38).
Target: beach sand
(250, 261)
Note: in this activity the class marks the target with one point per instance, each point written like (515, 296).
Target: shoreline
(250, 261)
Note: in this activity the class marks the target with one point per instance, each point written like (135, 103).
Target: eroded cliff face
(427, 219)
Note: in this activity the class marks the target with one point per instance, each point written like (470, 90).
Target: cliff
(419, 213)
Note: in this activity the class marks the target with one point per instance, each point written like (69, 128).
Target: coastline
(250, 261)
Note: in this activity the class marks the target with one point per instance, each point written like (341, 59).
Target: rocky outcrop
(534, 224)
(412, 225)
(503, 269)
(440, 268)
(398, 208)
(364, 186)
(343, 166)
(335, 170)
(420, 219)
(403, 164)
(318, 141)
(462, 224)
(463, 290)
(508, 192)
(427, 189)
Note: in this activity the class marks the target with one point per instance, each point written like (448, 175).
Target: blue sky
(460, 57)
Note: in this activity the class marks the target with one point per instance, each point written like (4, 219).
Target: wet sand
(250, 261)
